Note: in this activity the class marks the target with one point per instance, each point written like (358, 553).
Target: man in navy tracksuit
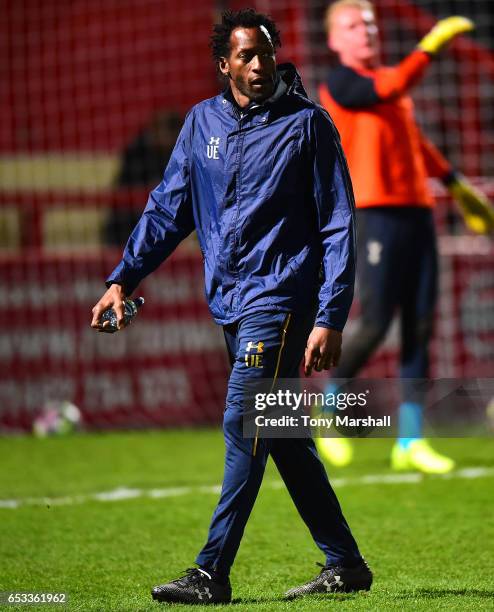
(259, 173)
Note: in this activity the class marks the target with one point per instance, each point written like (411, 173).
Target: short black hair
(244, 18)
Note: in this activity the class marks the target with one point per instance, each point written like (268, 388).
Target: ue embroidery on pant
(374, 249)
(254, 359)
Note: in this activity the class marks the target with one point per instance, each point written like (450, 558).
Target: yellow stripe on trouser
(283, 337)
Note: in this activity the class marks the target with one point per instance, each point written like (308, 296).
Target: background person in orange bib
(390, 160)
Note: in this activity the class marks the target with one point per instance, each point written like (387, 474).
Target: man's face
(251, 65)
(354, 36)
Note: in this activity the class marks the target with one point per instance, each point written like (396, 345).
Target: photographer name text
(306, 420)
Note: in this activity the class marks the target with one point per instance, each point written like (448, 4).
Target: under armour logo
(374, 249)
(257, 345)
(213, 145)
(203, 593)
(336, 582)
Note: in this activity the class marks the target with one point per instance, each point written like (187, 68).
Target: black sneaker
(335, 579)
(196, 587)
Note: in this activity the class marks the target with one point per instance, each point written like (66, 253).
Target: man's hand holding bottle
(114, 311)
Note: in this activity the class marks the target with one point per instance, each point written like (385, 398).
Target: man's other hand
(113, 298)
(323, 350)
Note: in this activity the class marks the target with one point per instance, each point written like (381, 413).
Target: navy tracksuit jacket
(268, 191)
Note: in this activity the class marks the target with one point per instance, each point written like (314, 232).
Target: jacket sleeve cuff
(111, 282)
(329, 324)
(124, 277)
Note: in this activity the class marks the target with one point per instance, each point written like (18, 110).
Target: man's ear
(224, 66)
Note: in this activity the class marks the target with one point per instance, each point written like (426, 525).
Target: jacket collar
(288, 82)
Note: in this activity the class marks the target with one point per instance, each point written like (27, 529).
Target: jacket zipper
(237, 201)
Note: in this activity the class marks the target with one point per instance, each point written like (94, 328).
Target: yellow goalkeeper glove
(477, 210)
(443, 32)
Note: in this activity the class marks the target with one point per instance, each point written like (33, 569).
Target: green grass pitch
(430, 542)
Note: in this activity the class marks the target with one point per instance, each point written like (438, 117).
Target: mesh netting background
(93, 94)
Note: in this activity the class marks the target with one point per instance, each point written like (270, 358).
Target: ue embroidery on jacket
(213, 145)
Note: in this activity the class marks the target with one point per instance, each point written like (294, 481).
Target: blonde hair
(335, 6)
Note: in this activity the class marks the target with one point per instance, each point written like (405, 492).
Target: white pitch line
(122, 493)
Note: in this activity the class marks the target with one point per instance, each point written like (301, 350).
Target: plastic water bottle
(130, 311)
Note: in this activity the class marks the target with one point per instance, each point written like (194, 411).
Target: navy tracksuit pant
(283, 337)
